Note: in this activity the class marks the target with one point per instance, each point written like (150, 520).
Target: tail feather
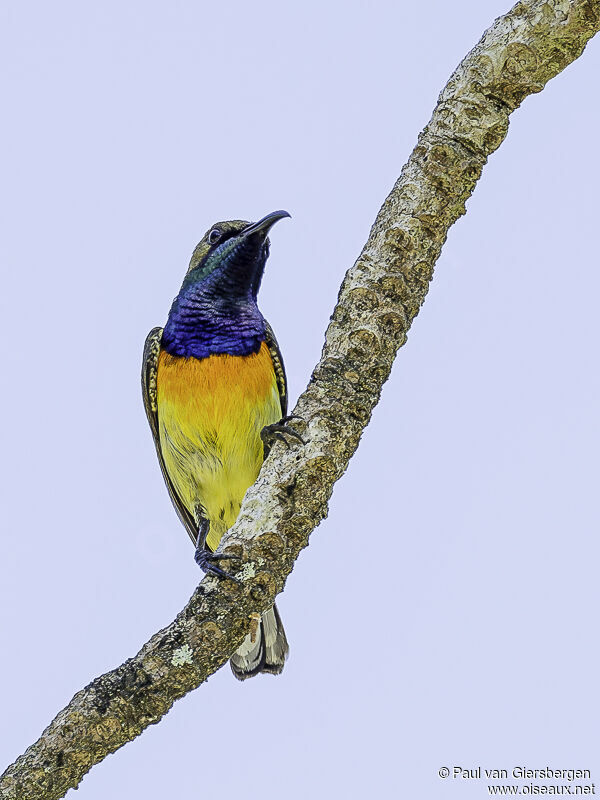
(268, 651)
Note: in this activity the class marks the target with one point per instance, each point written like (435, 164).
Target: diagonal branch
(378, 300)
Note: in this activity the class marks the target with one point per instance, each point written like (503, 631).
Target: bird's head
(229, 260)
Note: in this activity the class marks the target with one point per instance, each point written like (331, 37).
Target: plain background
(470, 512)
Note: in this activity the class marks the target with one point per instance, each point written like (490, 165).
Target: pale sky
(469, 636)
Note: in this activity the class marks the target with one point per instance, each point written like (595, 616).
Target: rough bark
(379, 297)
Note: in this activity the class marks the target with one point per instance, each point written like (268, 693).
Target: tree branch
(378, 299)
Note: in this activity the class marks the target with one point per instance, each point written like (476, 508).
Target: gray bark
(379, 297)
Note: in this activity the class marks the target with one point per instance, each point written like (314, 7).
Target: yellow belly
(210, 415)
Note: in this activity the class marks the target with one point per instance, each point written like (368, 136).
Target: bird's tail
(263, 650)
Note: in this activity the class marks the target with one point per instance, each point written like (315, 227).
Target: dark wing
(149, 372)
(278, 366)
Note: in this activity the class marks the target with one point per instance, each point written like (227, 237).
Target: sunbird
(215, 394)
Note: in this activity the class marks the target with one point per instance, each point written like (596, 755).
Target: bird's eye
(214, 236)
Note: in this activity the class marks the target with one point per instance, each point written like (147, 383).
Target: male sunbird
(215, 394)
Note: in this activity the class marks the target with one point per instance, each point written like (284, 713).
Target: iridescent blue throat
(200, 325)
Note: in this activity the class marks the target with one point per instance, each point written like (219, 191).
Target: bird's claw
(205, 560)
(278, 431)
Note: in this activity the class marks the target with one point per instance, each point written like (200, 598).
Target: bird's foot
(206, 559)
(278, 431)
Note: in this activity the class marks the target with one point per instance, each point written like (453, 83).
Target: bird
(215, 394)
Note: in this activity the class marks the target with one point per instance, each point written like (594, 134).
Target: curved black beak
(265, 224)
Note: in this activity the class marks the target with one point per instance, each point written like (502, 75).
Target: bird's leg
(279, 430)
(205, 558)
